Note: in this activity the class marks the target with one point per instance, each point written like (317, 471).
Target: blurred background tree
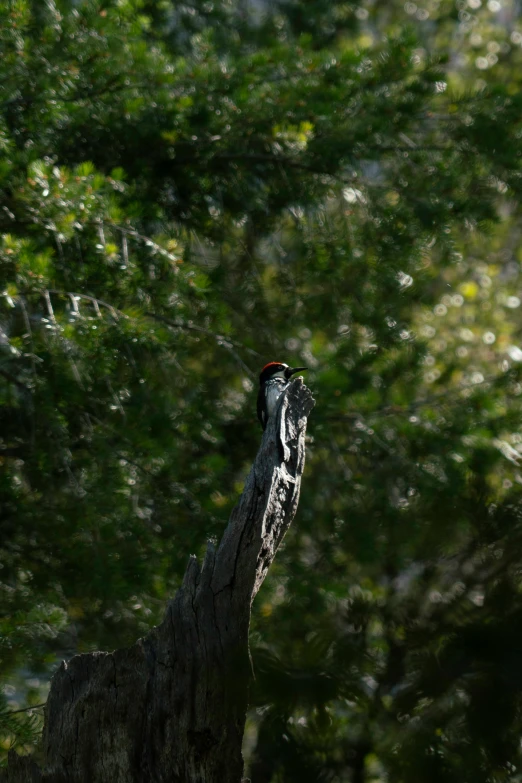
(190, 191)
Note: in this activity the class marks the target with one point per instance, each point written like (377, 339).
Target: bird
(273, 380)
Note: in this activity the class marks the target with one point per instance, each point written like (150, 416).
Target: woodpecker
(273, 380)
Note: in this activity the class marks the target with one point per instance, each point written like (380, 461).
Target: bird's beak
(293, 370)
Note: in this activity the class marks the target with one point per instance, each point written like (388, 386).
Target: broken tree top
(172, 707)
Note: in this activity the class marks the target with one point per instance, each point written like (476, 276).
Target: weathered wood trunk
(172, 707)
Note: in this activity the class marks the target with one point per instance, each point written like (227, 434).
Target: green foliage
(187, 192)
(20, 729)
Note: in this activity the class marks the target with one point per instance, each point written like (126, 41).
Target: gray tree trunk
(172, 707)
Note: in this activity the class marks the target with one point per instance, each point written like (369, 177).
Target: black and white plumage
(273, 380)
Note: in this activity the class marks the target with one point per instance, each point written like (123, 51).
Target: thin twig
(220, 339)
(92, 299)
(26, 709)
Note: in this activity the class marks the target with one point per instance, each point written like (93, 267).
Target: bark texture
(172, 707)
